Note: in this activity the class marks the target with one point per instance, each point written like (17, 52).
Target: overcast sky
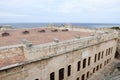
(79, 11)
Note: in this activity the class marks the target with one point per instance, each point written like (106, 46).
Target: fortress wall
(40, 61)
(11, 55)
(41, 70)
(40, 52)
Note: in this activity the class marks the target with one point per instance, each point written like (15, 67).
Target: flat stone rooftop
(37, 36)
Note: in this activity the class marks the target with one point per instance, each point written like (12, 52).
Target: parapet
(52, 49)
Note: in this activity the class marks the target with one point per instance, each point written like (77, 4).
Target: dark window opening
(97, 68)
(5, 34)
(109, 51)
(88, 74)
(83, 77)
(25, 32)
(107, 61)
(104, 63)
(61, 74)
(89, 61)
(106, 52)
(52, 76)
(78, 66)
(84, 63)
(77, 78)
(94, 70)
(99, 56)
(102, 54)
(117, 55)
(95, 58)
(69, 70)
(100, 65)
(36, 79)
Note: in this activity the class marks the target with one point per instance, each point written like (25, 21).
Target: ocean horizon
(35, 25)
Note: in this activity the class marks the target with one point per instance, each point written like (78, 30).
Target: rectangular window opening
(109, 51)
(102, 54)
(99, 56)
(95, 58)
(83, 77)
(84, 63)
(97, 68)
(106, 52)
(78, 66)
(61, 74)
(52, 76)
(77, 78)
(104, 63)
(107, 61)
(88, 74)
(89, 61)
(94, 70)
(100, 65)
(69, 70)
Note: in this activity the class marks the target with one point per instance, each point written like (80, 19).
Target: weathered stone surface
(38, 62)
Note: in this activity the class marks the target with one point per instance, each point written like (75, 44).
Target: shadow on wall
(117, 54)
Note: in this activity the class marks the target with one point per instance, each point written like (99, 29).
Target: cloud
(71, 6)
(5, 14)
(60, 10)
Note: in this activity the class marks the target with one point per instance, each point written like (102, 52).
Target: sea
(35, 25)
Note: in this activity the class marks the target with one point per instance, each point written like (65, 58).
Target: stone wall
(11, 55)
(53, 49)
(38, 62)
(41, 70)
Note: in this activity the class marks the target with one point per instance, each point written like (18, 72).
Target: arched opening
(5, 34)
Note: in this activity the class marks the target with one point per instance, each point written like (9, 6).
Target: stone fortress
(56, 53)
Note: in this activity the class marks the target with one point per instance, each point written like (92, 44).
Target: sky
(56, 11)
